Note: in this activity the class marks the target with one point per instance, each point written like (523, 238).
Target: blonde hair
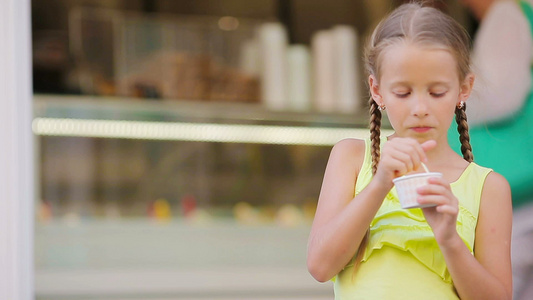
(425, 26)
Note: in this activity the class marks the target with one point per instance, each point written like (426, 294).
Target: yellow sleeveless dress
(402, 259)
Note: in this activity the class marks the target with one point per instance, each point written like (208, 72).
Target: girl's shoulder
(351, 143)
(351, 152)
(496, 184)
(495, 193)
(350, 147)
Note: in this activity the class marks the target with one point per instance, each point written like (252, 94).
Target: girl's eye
(438, 95)
(402, 95)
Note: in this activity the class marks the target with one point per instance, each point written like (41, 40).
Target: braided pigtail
(462, 128)
(375, 131)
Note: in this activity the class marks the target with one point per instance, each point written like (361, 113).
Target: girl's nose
(420, 107)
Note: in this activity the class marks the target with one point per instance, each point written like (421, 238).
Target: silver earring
(461, 105)
(381, 107)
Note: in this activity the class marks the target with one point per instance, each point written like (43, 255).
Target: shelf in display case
(181, 120)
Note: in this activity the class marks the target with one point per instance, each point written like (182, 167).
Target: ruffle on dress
(407, 230)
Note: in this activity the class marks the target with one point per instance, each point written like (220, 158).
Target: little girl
(419, 72)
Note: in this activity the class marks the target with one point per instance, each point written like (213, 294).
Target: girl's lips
(421, 129)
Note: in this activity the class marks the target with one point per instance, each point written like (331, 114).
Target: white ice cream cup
(407, 185)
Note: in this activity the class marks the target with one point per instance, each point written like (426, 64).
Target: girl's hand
(443, 217)
(400, 156)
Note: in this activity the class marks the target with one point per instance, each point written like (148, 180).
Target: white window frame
(16, 152)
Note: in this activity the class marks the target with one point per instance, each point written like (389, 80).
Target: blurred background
(181, 144)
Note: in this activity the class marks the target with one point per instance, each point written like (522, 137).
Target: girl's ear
(466, 87)
(374, 90)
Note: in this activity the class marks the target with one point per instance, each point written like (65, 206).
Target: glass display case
(124, 154)
(174, 189)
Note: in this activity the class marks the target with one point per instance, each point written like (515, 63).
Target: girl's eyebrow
(444, 83)
(430, 84)
(399, 83)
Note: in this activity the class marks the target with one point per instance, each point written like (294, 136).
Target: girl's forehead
(418, 62)
(419, 47)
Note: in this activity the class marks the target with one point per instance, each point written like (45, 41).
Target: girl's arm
(487, 275)
(340, 223)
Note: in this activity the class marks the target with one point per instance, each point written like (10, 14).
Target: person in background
(458, 245)
(501, 56)
(500, 112)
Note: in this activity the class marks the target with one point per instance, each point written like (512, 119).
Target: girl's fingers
(447, 209)
(404, 159)
(433, 189)
(421, 154)
(428, 145)
(444, 209)
(412, 148)
(433, 199)
(416, 155)
(438, 180)
(404, 155)
(398, 167)
(437, 192)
